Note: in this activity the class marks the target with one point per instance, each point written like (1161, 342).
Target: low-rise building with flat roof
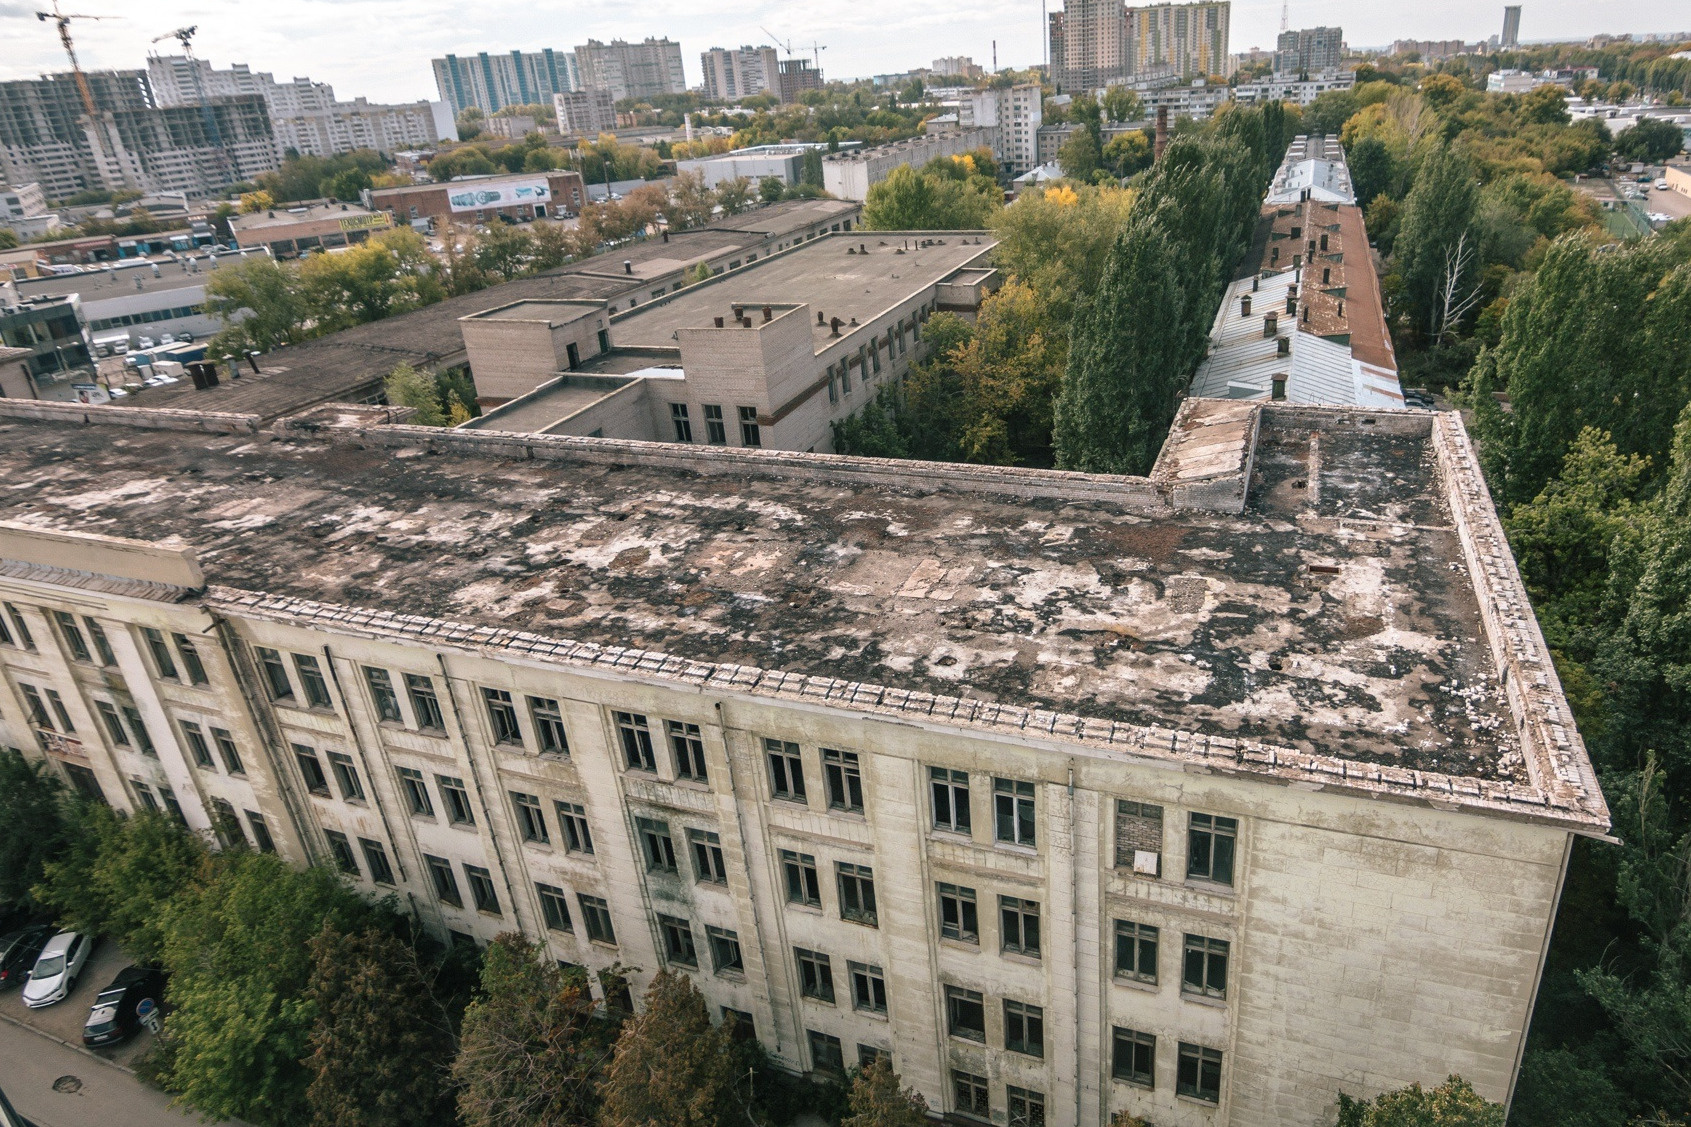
(785, 162)
(770, 356)
(291, 232)
(481, 199)
(349, 366)
(132, 299)
(849, 175)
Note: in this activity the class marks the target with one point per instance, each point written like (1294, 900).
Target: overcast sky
(381, 48)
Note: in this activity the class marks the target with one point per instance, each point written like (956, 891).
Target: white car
(56, 970)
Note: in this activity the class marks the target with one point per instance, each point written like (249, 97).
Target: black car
(113, 1018)
(18, 952)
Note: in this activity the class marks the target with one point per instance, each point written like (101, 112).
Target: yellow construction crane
(62, 19)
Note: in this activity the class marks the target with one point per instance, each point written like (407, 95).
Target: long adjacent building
(1204, 796)
(1304, 320)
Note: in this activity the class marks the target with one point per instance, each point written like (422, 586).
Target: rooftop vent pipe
(768, 315)
(719, 322)
(1270, 324)
(1282, 346)
(1245, 306)
(820, 320)
(834, 327)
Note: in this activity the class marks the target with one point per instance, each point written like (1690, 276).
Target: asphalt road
(89, 1092)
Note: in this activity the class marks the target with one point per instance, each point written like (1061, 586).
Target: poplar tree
(1128, 359)
(1437, 214)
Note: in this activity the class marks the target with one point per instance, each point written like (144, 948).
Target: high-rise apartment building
(732, 74)
(1011, 117)
(1181, 40)
(1310, 50)
(490, 82)
(1511, 27)
(585, 113)
(960, 65)
(304, 115)
(648, 69)
(1088, 44)
(133, 142)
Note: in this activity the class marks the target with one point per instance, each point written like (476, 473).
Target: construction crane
(62, 19)
(185, 36)
(816, 49)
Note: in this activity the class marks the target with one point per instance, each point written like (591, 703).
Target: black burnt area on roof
(1325, 619)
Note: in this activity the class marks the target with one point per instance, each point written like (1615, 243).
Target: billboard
(489, 197)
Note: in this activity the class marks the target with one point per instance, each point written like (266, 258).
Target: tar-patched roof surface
(1334, 615)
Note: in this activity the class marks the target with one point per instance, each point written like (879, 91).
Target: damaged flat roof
(1333, 616)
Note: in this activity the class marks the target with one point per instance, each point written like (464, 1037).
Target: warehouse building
(1203, 796)
(290, 232)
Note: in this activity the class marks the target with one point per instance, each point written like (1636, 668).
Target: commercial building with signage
(533, 195)
(298, 230)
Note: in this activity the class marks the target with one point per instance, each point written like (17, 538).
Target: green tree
(237, 943)
(734, 196)
(1452, 1104)
(8, 238)
(121, 876)
(877, 1101)
(1373, 169)
(1652, 139)
(262, 305)
(1563, 538)
(1435, 254)
(33, 827)
(407, 387)
(691, 202)
(390, 273)
(1128, 153)
(1590, 339)
(771, 189)
(873, 432)
(908, 200)
(1080, 155)
(672, 1067)
(1057, 241)
(532, 1051)
(811, 172)
(1122, 105)
(1545, 105)
(345, 185)
(381, 1046)
(1127, 360)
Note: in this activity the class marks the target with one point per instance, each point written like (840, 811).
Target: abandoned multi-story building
(1206, 795)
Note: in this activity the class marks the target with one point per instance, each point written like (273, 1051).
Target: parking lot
(64, 1019)
(1645, 195)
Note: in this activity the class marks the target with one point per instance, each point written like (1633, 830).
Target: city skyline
(860, 40)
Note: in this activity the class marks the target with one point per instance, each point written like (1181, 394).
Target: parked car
(113, 1018)
(18, 952)
(147, 342)
(55, 972)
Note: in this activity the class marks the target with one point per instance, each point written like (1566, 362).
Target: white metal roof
(1242, 362)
